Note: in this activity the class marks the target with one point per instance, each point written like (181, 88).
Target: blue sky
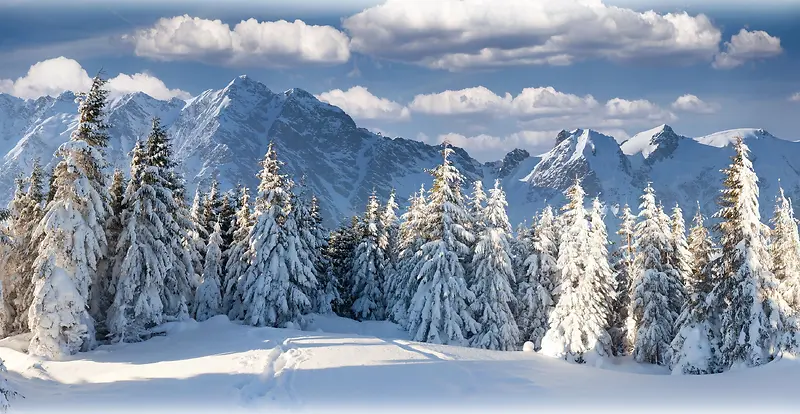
(488, 78)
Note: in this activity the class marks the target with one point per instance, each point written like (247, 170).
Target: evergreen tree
(540, 269)
(602, 280)
(653, 287)
(410, 241)
(72, 236)
(682, 258)
(281, 271)
(227, 215)
(746, 295)
(368, 273)
(312, 242)
(785, 252)
(25, 213)
(694, 347)
(439, 310)
(328, 290)
(339, 254)
(622, 326)
(238, 257)
(208, 300)
(388, 232)
(577, 326)
(212, 206)
(114, 227)
(494, 272)
(197, 234)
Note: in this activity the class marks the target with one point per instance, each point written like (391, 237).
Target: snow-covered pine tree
(494, 272)
(680, 247)
(368, 273)
(72, 236)
(25, 213)
(622, 326)
(601, 278)
(212, 206)
(653, 285)
(312, 241)
(439, 310)
(227, 215)
(109, 267)
(536, 287)
(327, 284)
(577, 326)
(208, 300)
(676, 258)
(339, 254)
(273, 291)
(476, 203)
(183, 277)
(238, 257)
(199, 234)
(410, 241)
(695, 345)
(388, 233)
(746, 296)
(785, 252)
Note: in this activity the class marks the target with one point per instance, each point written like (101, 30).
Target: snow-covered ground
(339, 364)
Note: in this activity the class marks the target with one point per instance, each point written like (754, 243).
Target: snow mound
(528, 346)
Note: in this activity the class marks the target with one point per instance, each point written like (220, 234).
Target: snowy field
(343, 365)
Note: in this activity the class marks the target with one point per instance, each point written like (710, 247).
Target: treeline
(95, 259)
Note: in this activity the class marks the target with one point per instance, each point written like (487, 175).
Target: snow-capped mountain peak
(725, 138)
(660, 141)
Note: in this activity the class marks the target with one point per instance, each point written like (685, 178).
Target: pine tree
(410, 241)
(108, 268)
(273, 292)
(785, 252)
(312, 242)
(694, 347)
(602, 280)
(227, 215)
(492, 280)
(388, 232)
(653, 285)
(197, 234)
(212, 206)
(680, 247)
(238, 258)
(577, 330)
(540, 270)
(622, 326)
(749, 319)
(368, 273)
(25, 213)
(439, 310)
(328, 286)
(72, 236)
(208, 301)
(339, 254)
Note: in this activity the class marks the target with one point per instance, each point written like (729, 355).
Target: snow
(641, 143)
(343, 364)
(725, 138)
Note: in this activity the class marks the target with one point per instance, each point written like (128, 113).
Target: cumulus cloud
(54, 76)
(531, 102)
(619, 108)
(795, 97)
(747, 45)
(459, 34)
(491, 148)
(691, 103)
(360, 103)
(249, 43)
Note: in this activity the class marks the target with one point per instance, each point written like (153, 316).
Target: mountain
(224, 133)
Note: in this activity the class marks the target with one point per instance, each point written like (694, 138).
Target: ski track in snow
(274, 383)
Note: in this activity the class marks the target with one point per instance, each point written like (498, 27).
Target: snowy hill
(218, 366)
(225, 132)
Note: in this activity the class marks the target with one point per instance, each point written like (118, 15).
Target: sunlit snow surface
(340, 365)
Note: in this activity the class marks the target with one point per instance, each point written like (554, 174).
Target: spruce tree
(653, 285)
(238, 257)
(694, 347)
(211, 208)
(439, 310)
(328, 286)
(72, 236)
(227, 215)
(601, 278)
(114, 227)
(339, 254)
(197, 232)
(785, 252)
(369, 272)
(494, 271)
(273, 291)
(388, 233)
(622, 328)
(536, 288)
(410, 241)
(208, 300)
(746, 296)
(577, 330)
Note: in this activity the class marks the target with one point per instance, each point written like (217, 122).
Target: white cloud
(54, 76)
(491, 148)
(795, 97)
(747, 45)
(249, 43)
(691, 103)
(460, 34)
(531, 102)
(619, 108)
(360, 103)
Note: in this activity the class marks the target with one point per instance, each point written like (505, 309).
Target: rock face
(224, 134)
